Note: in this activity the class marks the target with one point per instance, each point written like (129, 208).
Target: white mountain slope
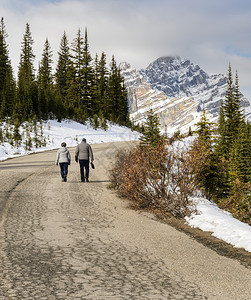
(176, 90)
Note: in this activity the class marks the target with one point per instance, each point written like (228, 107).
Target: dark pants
(64, 169)
(84, 164)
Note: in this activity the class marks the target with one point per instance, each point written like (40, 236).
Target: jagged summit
(178, 77)
(164, 60)
(176, 89)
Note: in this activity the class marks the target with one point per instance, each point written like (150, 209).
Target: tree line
(81, 88)
(225, 171)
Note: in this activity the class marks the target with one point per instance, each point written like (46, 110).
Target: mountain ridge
(170, 85)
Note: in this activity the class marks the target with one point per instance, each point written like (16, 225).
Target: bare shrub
(156, 177)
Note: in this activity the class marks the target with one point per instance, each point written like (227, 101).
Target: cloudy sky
(211, 33)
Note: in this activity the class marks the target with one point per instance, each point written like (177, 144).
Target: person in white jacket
(64, 160)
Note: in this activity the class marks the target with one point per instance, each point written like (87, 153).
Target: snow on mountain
(176, 90)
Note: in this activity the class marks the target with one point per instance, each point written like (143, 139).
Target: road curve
(78, 240)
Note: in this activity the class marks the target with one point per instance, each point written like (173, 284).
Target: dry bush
(156, 177)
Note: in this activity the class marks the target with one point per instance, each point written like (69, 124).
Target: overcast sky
(211, 33)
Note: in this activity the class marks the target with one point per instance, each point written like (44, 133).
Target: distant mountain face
(167, 83)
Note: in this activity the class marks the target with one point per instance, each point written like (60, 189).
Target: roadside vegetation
(158, 173)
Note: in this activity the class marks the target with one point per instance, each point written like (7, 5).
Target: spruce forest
(224, 168)
(81, 88)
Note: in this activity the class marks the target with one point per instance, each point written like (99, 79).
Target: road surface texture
(78, 240)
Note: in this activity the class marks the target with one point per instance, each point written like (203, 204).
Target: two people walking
(83, 155)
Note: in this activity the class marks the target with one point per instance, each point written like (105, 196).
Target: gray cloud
(140, 31)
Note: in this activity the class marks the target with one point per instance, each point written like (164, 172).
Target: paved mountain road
(80, 241)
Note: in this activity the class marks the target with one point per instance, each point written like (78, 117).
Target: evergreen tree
(73, 95)
(95, 122)
(7, 82)
(62, 72)
(240, 156)
(101, 78)
(151, 134)
(1, 133)
(35, 131)
(221, 146)
(238, 116)
(117, 108)
(190, 132)
(76, 78)
(27, 87)
(233, 142)
(205, 129)
(123, 104)
(232, 113)
(212, 177)
(16, 134)
(103, 121)
(47, 100)
(88, 82)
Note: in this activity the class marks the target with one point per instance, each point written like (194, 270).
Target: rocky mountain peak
(176, 89)
(176, 77)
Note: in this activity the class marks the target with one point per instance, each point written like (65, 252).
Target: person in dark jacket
(83, 155)
(64, 160)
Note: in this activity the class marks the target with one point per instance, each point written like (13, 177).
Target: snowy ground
(210, 217)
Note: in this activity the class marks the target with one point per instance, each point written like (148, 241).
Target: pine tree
(205, 129)
(46, 94)
(151, 134)
(62, 72)
(221, 146)
(123, 104)
(101, 78)
(232, 113)
(27, 88)
(73, 95)
(16, 134)
(190, 132)
(76, 78)
(213, 177)
(233, 142)
(95, 122)
(238, 116)
(103, 121)
(1, 132)
(88, 79)
(111, 108)
(35, 131)
(240, 155)
(117, 108)
(7, 82)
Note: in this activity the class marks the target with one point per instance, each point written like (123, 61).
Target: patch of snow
(221, 223)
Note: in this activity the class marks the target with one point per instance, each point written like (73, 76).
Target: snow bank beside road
(72, 133)
(221, 223)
